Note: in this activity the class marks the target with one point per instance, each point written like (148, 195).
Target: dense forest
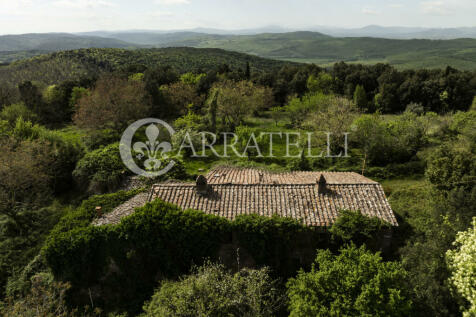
(61, 118)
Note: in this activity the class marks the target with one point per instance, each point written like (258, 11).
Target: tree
(450, 167)
(356, 282)
(179, 97)
(462, 264)
(24, 179)
(335, 116)
(235, 101)
(212, 291)
(100, 170)
(248, 71)
(76, 94)
(30, 95)
(277, 114)
(370, 134)
(353, 226)
(8, 95)
(360, 97)
(323, 83)
(191, 78)
(57, 108)
(114, 103)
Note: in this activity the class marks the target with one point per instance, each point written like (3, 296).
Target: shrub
(100, 170)
(450, 167)
(66, 150)
(95, 139)
(212, 291)
(248, 139)
(187, 142)
(352, 226)
(13, 112)
(462, 263)
(416, 108)
(281, 243)
(162, 241)
(353, 283)
(82, 216)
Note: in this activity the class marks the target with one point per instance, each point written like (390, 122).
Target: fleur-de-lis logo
(153, 149)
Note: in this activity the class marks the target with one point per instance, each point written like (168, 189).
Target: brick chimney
(201, 185)
(322, 185)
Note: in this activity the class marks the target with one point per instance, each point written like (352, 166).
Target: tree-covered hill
(321, 49)
(56, 42)
(60, 66)
(301, 46)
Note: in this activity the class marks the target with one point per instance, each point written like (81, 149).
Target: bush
(13, 112)
(283, 244)
(212, 291)
(354, 283)
(65, 148)
(450, 167)
(157, 240)
(100, 170)
(352, 226)
(162, 241)
(95, 139)
(248, 139)
(82, 216)
(462, 263)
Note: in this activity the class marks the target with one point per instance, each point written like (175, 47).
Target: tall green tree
(356, 282)
(360, 98)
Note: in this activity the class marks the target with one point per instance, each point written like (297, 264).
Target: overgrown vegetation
(61, 117)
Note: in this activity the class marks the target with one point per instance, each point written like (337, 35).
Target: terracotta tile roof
(236, 192)
(232, 175)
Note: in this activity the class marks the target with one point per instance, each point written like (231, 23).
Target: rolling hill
(56, 42)
(301, 46)
(325, 50)
(59, 66)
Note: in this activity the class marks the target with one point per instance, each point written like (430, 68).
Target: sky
(38, 16)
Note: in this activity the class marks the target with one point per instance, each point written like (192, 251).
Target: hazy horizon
(74, 16)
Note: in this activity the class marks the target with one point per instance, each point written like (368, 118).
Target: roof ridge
(260, 184)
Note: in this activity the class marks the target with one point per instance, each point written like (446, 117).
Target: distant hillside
(56, 42)
(161, 39)
(401, 32)
(56, 67)
(325, 50)
(302, 46)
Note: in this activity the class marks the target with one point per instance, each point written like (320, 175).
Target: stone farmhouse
(315, 198)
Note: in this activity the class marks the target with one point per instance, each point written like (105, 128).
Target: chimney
(201, 185)
(321, 185)
(99, 211)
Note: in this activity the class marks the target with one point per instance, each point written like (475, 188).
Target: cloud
(18, 7)
(160, 14)
(370, 11)
(435, 8)
(396, 5)
(83, 4)
(172, 2)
